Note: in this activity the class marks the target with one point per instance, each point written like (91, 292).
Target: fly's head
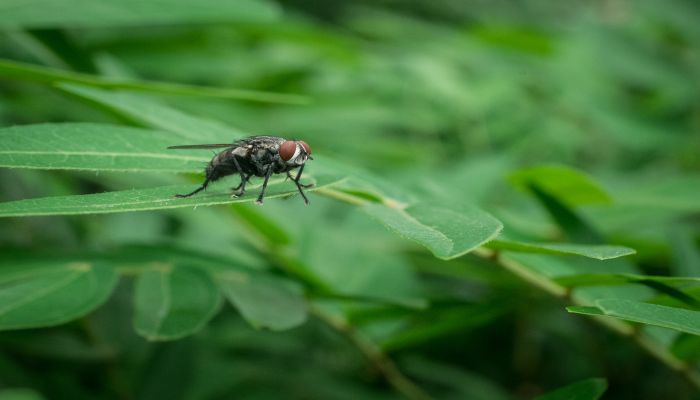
(295, 152)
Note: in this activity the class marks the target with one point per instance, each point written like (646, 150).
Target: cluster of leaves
(446, 235)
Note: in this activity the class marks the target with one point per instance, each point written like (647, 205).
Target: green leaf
(173, 302)
(598, 252)
(619, 279)
(262, 224)
(663, 284)
(652, 314)
(20, 394)
(29, 72)
(152, 113)
(447, 232)
(263, 300)
(686, 253)
(158, 198)
(95, 147)
(571, 186)
(585, 310)
(38, 295)
(687, 347)
(589, 389)
(20, 14)
(576, 228)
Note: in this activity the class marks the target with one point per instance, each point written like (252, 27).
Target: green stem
(655, 349)
(651, 346)
(374, 354)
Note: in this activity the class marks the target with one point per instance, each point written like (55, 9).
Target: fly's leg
(199, 189)
(299, 185)
(296, 180)
(264, 187)
(244, 179)
(240, 189)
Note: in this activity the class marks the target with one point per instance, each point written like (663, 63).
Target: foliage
(479, 170)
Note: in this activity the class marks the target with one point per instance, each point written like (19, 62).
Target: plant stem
(655, 349)
(375, 355)
(650, 345)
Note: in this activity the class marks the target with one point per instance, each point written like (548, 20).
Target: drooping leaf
(598, 252)
(571, 186)
(29, 72)
(663, 284)
(154, 114)
(157, 198)
(589, 389)
(652, 314)
(173, 301)
(617, 279)
(94, 147)
(19, 14)
(263, 300)
(51, 293)
(576, 228)
(447, 232)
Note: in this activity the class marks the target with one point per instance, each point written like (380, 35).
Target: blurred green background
(442, 99)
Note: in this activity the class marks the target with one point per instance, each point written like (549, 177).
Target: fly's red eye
(306, 147)
(287, 150)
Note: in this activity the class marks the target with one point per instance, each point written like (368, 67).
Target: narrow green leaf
(598, 252)
(663, 284)
(576, 228)
(619, 279)
(585, 310)
(173, 302)
(152, 113)
(263, 300)
(47, 294)
(20, 394)
(22, 71)
(652, 314)
(21, 14)
(95, 147)
(571, 186)
(589, 389)
(157, 198)
(447, 232)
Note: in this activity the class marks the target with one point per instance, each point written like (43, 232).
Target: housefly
(255, 156)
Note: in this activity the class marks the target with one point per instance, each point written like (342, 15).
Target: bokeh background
(443, 98)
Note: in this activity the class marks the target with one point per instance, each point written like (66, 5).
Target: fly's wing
(202, 146)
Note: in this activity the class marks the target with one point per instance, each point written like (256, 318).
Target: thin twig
(375, 355)
(651, 346)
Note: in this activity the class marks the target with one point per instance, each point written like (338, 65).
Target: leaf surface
(47, 294)
(589, 389)
(651, 314)
(23, 14)
(173, 302)
(447, 232)
(598, 252)
(157, 198)
(264, 301)
(95, 147)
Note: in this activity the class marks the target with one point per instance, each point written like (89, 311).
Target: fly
(255, 156)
